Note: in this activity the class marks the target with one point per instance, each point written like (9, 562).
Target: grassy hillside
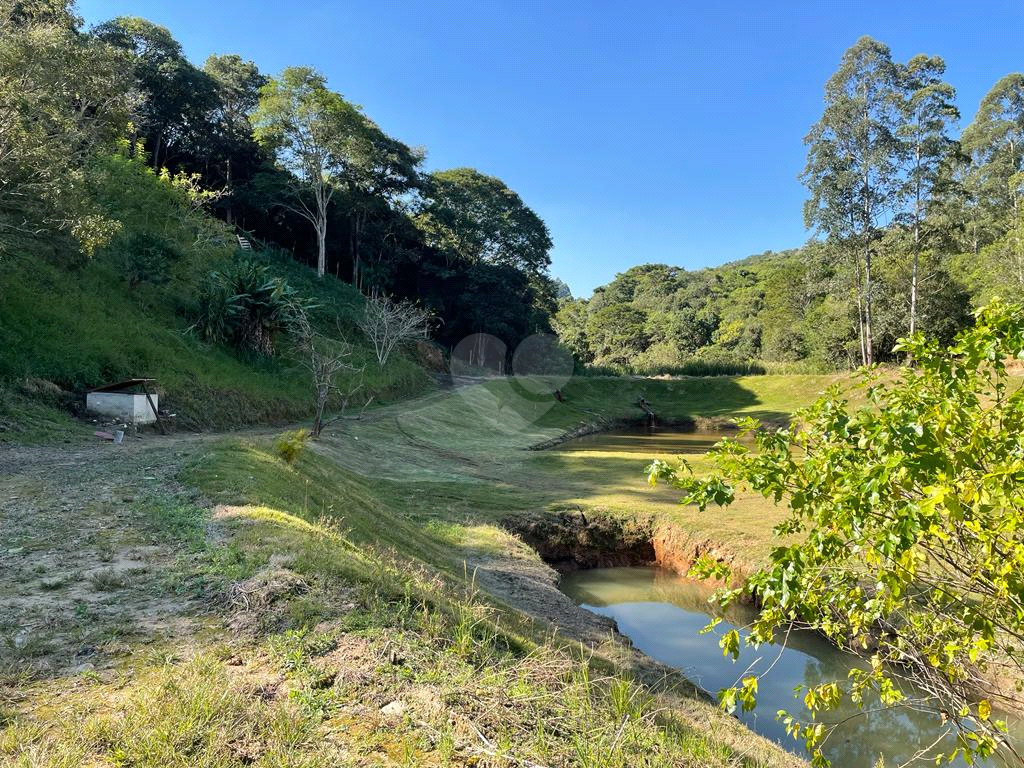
(83, 326)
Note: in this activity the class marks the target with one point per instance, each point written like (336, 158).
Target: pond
(663, 614)
(649, 441)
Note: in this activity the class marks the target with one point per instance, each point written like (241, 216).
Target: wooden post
(160, 424)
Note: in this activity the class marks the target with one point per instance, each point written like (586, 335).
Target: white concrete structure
(123, 406)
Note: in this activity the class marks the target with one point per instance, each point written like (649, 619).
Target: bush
(146, 257)
(290, 445)
(246, 307)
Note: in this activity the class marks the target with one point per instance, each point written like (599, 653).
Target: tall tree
(853, 164)
(309, 128)
(929, 112)
(177, 97)
(472, 217)
(63, 99)
(237, 83)
(381, 171)
(995, 142)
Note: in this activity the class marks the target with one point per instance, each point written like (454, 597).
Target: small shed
(128, 401)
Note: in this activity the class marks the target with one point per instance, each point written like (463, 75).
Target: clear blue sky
(639, 131)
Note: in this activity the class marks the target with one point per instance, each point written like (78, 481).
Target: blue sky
(639, 131)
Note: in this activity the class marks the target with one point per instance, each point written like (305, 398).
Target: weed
(106, 581)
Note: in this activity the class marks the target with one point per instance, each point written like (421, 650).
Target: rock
(87, 667)
(394, 710)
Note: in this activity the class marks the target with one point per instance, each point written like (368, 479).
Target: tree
(570, 323)
(63, 101)
(928, 113)
(237, 83)
(380, 172)
(472, 217)
(326, 359)
(616, 333)
(909, 528)
(308, 128)
(177, 97)
(853, 164)
(389, 324)
(995, 142)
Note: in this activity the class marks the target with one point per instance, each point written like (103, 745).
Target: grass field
(350, 608)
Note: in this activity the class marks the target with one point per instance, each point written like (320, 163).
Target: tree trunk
(913, 277)
(869, 352)
(228, 212)
(860, 308)
(917, 243)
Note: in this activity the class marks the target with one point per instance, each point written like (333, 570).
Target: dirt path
(85, 569)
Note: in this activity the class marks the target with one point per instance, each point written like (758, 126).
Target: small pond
(649, 441)
(663, 613)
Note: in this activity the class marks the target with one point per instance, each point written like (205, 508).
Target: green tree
(929, 112)
(995, 142)
(853, 164)
(570, 323)
(616, 333)
(309, 128)
(63, 101)
(908, 523)
(237, 83)
(472, 217)
(177, 97)
(380, 172)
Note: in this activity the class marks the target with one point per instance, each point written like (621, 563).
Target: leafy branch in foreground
(908, 513)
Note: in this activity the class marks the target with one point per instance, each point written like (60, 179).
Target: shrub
(290, 445)
(146, 257)
(246, 306)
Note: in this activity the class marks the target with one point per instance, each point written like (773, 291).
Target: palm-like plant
(246, 306)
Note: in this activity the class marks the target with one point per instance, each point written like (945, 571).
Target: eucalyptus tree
(995, 142)
(308, 128)
(929, 113)
(853, 165)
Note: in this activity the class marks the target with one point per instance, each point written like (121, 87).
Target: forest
(913, 223)
(93, 118)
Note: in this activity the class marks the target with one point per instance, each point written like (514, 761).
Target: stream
(662, 614)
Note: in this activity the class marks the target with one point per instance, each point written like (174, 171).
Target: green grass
(81, 327)
(343, 574)
(350, 608)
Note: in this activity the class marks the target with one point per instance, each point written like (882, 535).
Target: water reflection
(662, 614)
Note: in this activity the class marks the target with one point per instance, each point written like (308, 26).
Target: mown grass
(344, 651)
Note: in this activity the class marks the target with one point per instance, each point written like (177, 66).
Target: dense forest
(110, 138)
(914, 227)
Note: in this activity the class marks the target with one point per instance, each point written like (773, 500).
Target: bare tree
(329, 362)
(389, 324)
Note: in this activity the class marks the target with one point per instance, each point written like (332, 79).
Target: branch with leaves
(910, 518)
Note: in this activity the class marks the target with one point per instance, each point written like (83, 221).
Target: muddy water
(648, 441)
(662, 614)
